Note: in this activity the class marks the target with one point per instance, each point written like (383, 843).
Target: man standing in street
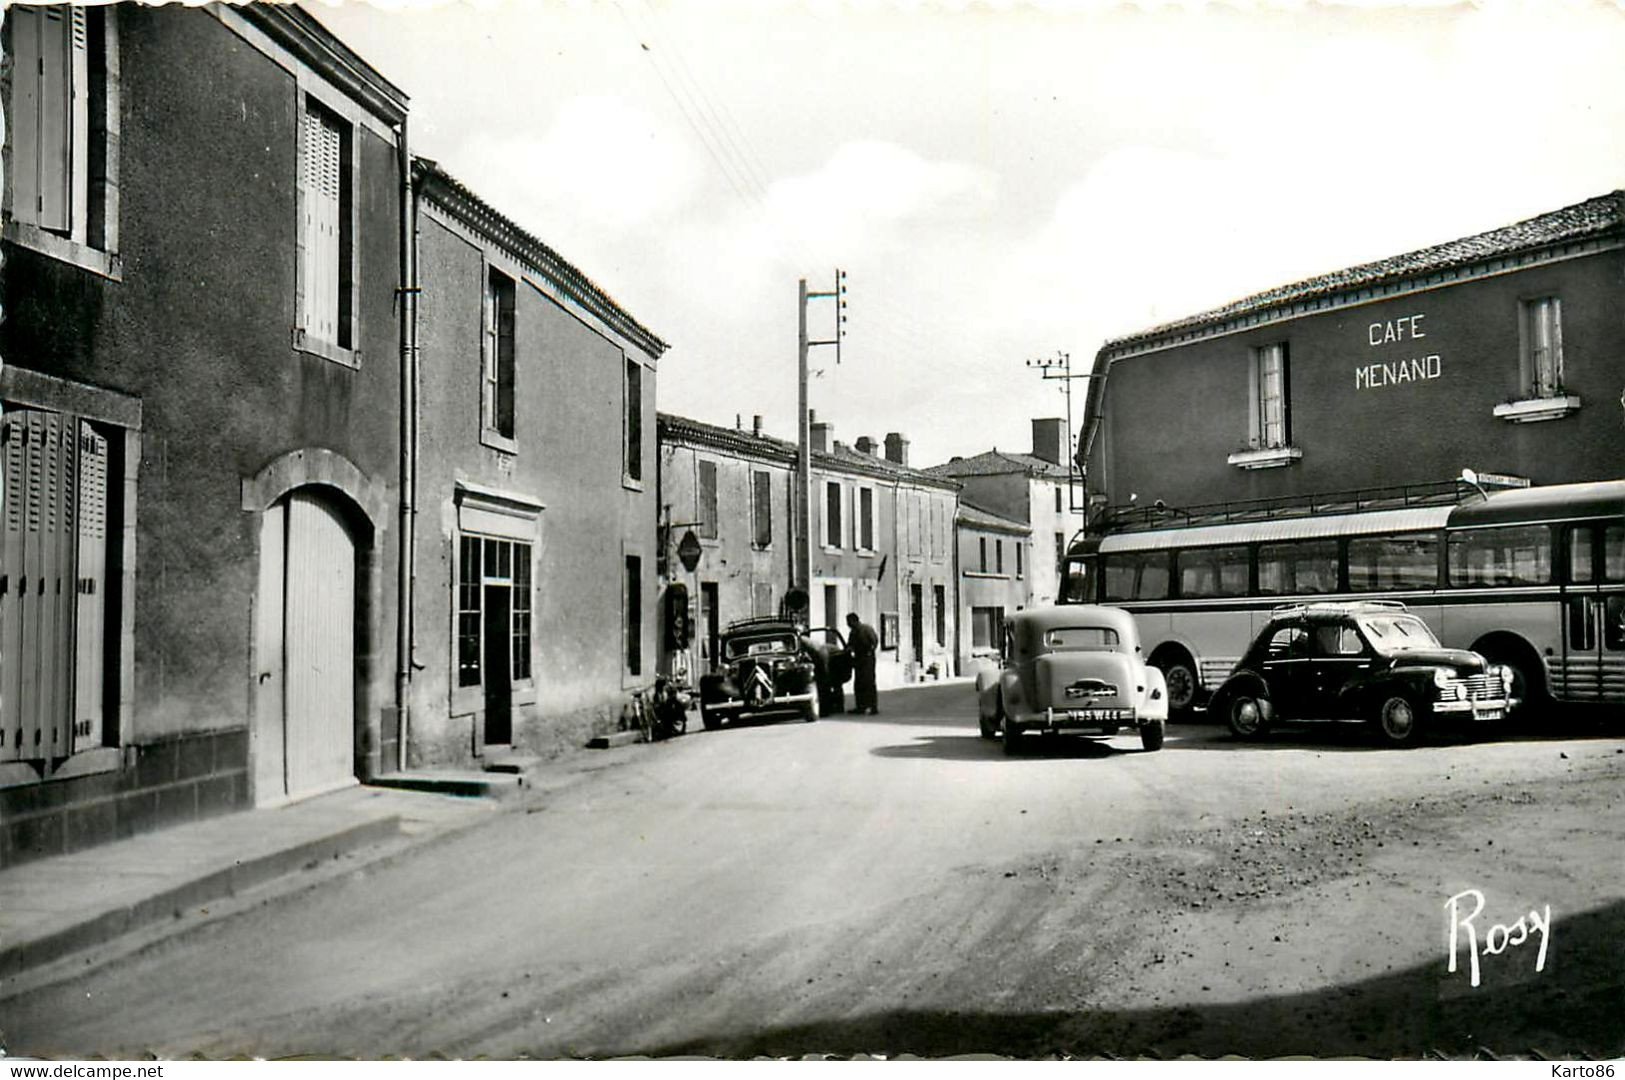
(861, 642)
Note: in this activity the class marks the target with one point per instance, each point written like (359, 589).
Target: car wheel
(1397, 722)
(1012, 738)
(709, 719)
(1151, 735)
(1247, 715)
(1181, 680)
(809, 711)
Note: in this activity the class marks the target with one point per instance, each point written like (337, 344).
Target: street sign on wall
(688, 550)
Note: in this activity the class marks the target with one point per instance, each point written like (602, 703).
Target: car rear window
(757, 645)
(1081, 637)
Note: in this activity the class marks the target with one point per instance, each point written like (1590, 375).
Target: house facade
(1502, 352)
(995, 579)
(535, 490)
(1034, 488)
(881, 536)
(201, 417)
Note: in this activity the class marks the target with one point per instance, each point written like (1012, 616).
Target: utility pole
(803, 542)
(1060, 367)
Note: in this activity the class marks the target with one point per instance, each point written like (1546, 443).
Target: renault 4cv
(1077, 669)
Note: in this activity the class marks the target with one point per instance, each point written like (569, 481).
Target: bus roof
(1553, 502)
(1407, 519)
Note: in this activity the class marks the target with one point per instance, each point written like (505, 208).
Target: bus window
(1140, 575)
(1514, 555)
(1302, 567)
(1613, 553)
(1583, 553)
(1408, 561)
(1079, 586)
(1216, 571)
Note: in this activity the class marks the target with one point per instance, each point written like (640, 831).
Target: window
(496, 350)
(326, 231)
(761, 508)
(1057, 500)
(1516, 555)
(1141, 575)
(832, 607)
(984, 624)
(1217, 571)
(1542, 339)
(832, 514)
(1294, 568)
(707, 499)
(939, 596)
(1337, 639)
(866, 519)
(1583, 543)
(484, 563)
(1288, 642)
(1394, 562)
(1268, 417)
(1018, 546)
(1060, 548)
(981, 544)
(634, 615)
(633, 401)
(63, 117)
(998, 556)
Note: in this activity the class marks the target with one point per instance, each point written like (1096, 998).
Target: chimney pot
(1049, 440)
(818, 436)
(896, 448)
(756, 424)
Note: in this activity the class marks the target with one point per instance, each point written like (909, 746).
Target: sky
(1002, 183)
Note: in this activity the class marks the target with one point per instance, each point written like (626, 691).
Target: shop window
(497, 360)
(1517, 555)
(485, 563)
(326, 272)
(761, 508)
(63, 114)
(707, 499)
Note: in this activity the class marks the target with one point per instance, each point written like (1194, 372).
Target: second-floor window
(866, 518)
(326, 272)
(633, 425)
(1269, 427)
(496, 400)
(708, 500)
(1542, 339)
(832, 514)
(762, 509)
(1018, 546)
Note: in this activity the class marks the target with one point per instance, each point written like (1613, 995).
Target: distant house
(1030, 488)
(202, 237)
(995, 578)
(535, 561)
(881, 539)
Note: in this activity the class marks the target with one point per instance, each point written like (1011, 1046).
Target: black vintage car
(771, 666)
(1372, 661)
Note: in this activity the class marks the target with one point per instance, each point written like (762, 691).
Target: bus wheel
(1397, 722)
(1248, 715)
(1179, 671)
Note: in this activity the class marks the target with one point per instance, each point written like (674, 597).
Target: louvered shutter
(320, 179)
(55, 119)
(25, 110)
(90, 630)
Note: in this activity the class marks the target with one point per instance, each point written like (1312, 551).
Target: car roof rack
(1337, 605)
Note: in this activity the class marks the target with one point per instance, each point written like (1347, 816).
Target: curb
(227, 881)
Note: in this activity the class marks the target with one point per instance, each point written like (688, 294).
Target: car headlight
(1442, 677)
(1507, 679)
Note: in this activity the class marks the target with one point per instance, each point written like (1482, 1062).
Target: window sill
(1270, 458)
(832, 549)
(498, 441)
(991, 574)
(630, 484)
(304, 343)
(105, 264)
(1532, 410)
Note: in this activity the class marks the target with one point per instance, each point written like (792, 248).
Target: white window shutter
(78, 162)
(55, 121)
(1255, 434)
(319, 172)
(24, 115)
(90, 627)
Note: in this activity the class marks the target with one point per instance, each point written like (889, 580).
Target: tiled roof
(1583, 221)
(841, 458)
(481, 215)
(976, 517)
(999, 462)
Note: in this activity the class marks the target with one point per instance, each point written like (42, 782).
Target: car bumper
(1477, 709)
(1102, 721)
(783, 701)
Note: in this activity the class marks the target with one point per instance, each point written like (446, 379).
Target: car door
(1337, 657)
(1284, 666)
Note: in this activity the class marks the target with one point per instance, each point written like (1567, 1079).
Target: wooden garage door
(305, 720)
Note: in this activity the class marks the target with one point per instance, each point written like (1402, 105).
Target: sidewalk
(60, 905)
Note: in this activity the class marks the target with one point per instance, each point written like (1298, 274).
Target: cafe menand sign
(1407, 328)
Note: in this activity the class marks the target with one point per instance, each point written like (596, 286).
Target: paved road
(896, 884)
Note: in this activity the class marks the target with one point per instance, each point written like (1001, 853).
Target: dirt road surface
(895, 884)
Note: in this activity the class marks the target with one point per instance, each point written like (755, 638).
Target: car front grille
(1486, 686)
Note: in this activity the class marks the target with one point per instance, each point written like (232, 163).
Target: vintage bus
(1531, 577)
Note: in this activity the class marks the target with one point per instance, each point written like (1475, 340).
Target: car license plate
(1093, 715)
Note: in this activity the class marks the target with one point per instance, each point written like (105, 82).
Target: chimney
(818, 435)
(1049, 440)
(896, 448)
(756, 425)
(865, 445)
(739, 422)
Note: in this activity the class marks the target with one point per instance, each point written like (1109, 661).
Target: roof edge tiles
(841, 459)
(977, 518)
(1000, 463)
(459, 200)
(301, 33)
(1594, 221)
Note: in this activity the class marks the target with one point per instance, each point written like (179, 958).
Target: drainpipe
(408, 295)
